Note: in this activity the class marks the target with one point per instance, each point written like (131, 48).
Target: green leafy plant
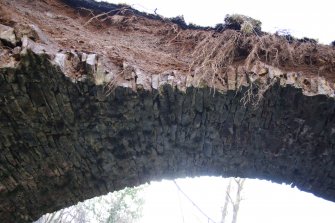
(245, 24)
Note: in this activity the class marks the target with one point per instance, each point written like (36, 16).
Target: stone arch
(62, 142)
(69, 132)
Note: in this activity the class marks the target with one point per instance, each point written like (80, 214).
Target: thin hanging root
(113, 83)
(96, 17)
(275, 51)
(174, 38)
(122, 10)
(252, 55)
(88, 10)
(255, 98)
(247, 97)
(213, 55)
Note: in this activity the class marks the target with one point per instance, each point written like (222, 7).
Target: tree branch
(194, 204)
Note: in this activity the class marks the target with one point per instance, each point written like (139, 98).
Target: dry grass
(209, 54)
(212, 56)
(115, 16)
(155, 46)
(212, 53)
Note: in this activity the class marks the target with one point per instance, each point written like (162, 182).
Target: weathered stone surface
(7, 34)
(62, 142)
(31, 31)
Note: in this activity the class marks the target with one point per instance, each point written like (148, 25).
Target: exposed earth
(122, 36)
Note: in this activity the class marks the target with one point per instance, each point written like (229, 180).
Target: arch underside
(63, 142)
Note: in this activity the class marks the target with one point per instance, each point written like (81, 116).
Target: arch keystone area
(95, 97)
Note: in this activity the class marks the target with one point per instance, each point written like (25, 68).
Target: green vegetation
(119, 207)
(245, 24)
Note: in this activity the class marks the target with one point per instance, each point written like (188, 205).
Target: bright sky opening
(263, 202)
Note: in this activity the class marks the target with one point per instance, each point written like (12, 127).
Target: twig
(181, 207)
(194, 204)
(121, 11)
(96, 17)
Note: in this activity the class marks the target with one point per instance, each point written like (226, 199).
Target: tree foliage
(127, 206)
(123, 206)
(245, 24)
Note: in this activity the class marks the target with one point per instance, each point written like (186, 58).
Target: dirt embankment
(126, 42)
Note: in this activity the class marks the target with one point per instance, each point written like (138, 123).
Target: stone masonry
(63, 141)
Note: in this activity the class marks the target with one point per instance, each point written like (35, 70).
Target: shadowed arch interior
(62, 142)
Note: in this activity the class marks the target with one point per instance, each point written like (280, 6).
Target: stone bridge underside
(63, 140)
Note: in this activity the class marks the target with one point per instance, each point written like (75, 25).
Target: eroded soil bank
(124, 40)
